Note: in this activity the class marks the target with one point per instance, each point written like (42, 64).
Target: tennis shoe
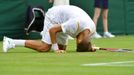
(96, 35)
(7, 44)
(108, 35)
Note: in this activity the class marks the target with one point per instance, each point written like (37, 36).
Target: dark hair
(84, 46)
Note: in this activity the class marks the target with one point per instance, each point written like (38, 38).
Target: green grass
(24, 61)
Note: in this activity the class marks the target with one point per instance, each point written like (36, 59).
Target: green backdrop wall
(12, 16)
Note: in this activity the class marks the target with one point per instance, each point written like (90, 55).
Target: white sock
(19, 42)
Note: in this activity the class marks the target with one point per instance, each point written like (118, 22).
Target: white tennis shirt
(72, 19)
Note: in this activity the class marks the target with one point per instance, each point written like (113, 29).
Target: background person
(59, 2)
(102, 5)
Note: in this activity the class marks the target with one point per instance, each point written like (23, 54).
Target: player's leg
(9, 43)
(37, 45)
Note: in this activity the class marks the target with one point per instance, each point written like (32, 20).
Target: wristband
(96, 48)
(55, 47)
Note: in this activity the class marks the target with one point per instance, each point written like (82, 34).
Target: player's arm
(53, 31)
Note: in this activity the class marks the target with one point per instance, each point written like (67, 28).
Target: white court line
(110, 64)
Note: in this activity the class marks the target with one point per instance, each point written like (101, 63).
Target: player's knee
(43, 49)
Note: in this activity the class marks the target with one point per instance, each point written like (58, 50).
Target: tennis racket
(113, 49)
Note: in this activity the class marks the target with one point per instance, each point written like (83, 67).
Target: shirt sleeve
(70, 27)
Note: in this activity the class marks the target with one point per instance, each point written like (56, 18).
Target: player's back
(65, 12)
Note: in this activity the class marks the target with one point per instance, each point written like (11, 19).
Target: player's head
(83, 42)
(85, 46)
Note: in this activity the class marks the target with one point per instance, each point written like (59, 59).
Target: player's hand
(94, 48)
(60, 51)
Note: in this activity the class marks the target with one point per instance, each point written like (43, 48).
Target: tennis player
(60, 21)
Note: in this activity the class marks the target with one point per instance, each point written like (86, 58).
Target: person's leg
(39, 46)
(107, 34)
(105, 19)
(97, 12)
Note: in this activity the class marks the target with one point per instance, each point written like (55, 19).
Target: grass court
(24, 61)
